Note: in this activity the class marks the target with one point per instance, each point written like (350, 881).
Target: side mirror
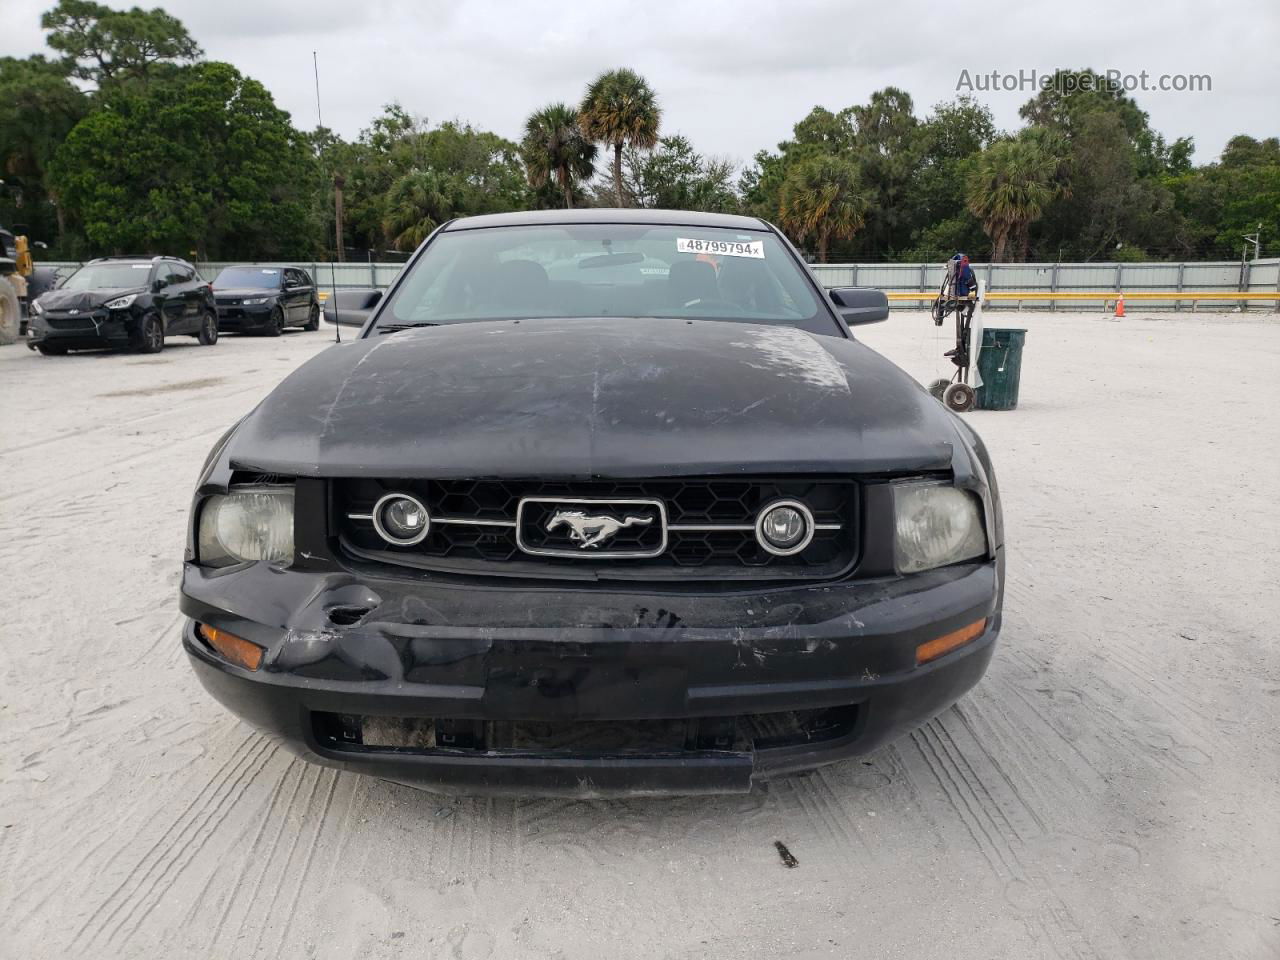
(858, 305)
(351, 308)
(157, 286)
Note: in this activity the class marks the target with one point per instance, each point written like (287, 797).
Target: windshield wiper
(396, 327)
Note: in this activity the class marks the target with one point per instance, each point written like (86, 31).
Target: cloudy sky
(732, 76)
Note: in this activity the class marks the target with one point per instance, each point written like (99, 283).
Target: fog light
(933, 649)
(401, 519)
(238, 650)
(784, 527)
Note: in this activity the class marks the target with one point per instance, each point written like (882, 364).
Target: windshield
(265, 278)
(109, 276)
(606, 270)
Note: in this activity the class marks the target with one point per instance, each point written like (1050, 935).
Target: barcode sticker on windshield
(722, 248)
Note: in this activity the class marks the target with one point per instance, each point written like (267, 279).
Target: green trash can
(1000, 365)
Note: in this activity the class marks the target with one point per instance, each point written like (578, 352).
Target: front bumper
(86, 330)
(242, 318)
(457, 653)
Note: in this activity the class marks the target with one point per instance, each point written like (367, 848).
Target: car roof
(264, 266)
(137, 258)
(684, 218)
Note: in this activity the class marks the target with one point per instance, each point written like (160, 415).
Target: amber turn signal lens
(238, 650)
(933, 649)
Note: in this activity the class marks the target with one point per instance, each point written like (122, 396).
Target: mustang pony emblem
(591, 530)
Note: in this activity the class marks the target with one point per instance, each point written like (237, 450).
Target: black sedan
(598, 502)
(265, 300)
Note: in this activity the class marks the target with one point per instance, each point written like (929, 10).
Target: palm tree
(823, 197)
(554, 145)
(416, 204)
(620, 109)
(1008, 190)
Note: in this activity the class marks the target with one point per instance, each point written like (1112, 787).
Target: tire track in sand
(156, 861)
(997, 837)
(292, 913)
(189, 848)
(274, 815)
(57, 868)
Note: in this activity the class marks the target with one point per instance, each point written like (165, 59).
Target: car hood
(244, 292)
(82, 299)
(595, 397)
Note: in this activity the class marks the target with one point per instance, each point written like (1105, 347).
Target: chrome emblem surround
(591, 528)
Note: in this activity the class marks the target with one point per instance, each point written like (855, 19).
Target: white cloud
(732, 76)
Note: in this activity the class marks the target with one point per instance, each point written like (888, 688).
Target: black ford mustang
(599, 501)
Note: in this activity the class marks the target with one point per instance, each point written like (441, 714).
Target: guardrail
(1106, 298)
(1170, 285)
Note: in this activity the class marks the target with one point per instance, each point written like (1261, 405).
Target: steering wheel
(713, 302)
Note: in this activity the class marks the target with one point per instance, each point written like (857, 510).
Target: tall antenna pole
(315, 64)
(337, 201)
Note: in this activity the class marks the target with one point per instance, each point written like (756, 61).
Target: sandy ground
(1111, 789)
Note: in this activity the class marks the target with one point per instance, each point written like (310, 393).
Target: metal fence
(1256, 276)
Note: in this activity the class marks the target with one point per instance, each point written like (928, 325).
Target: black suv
(124, 302)
(266, 299)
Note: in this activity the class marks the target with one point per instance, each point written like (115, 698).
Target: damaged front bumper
(85, 330)
(461, 688)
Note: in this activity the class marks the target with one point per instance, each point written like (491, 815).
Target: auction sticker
(724, 248)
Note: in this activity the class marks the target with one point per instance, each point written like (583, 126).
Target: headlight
(247, 525)
(122, 303)
(936, 524)
(256, 301)
(35, 306)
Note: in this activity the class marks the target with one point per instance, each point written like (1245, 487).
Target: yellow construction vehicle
(16, 273)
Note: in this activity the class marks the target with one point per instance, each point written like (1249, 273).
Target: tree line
(130, 141)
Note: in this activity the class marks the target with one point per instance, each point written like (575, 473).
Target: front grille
(85, 323)
(583, 738)
(704, 528)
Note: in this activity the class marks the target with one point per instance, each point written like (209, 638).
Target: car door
(296, 294)
(288, 296)
(192, 299)
(185, 289)
(168, 298)
(309, 298)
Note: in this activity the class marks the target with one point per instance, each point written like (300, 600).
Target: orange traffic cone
(1120, 305)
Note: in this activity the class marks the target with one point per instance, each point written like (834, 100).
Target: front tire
(208, 334)
(313, 318)
(275, 326)
(151, 336)
(10, 313)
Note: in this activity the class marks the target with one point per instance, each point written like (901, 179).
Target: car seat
(691, 280)
(519, 286)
